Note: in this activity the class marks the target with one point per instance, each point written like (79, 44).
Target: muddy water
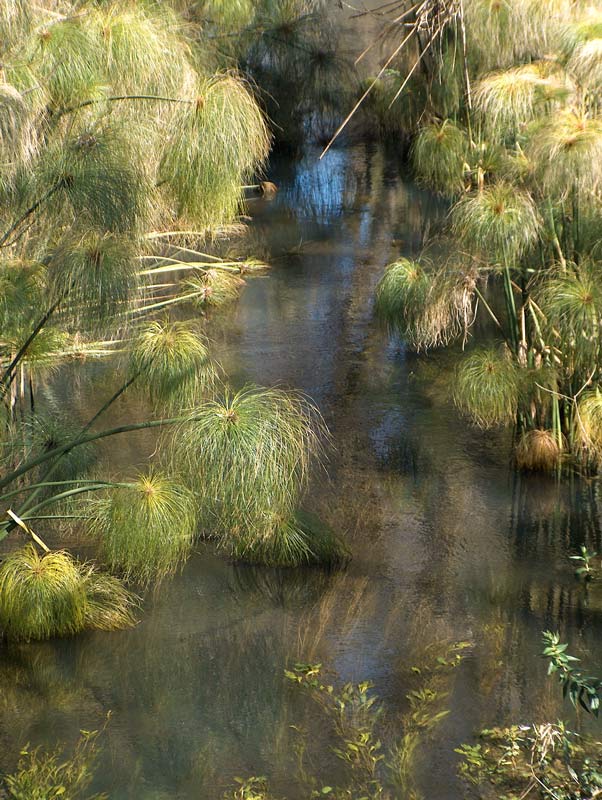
(448, 543)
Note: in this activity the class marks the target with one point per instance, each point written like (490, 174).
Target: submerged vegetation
(375, 755)
(510, 131)
(42, 775)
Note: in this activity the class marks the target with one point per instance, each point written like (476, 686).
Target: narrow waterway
(448, 543)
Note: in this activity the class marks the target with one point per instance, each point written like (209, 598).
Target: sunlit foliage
(126, 143)
(247, 457)
(521, 156)
(43, 595)
(439, 155)
(146, 531)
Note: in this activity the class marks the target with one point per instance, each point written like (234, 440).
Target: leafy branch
(582, 690)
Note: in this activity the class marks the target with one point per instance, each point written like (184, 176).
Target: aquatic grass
(145, 531)
(144, 50)
(401, 296)
(508, 99)
(489, 25)
(100, 177)
(503, 31)
(566, 149)
(44, 775)
(41, 595)
(214, 287)
(251, 788)
(580, 31)
(22, 283)
(171, 361)
(538, 450)
(581, 44)
(16, 17)
(18, 135)
(292, 541)
(68, 58)
(439, 155)
(295, 43)
(586, 64)
(49, 430)
(216, 143)
(388, 117)
(228, 14)
(487, 387)
(247, 455)
(328, 84)
(94, 275)
(327, 548)
(45, 351)
(109, 605)
(572, 298)
(282, 544)
(449, 86)
(587, 427)
(499, 220)
(428, 306)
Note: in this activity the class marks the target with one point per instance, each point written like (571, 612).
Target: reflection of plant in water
(42, 775)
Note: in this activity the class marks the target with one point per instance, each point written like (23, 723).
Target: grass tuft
(587, 427)
(248, 456)
(292, 542)
(581, 46)
(214, 287)
(41, 596)
(100, 180)
(68, 57)
(96, 274)
(428, 309)
(509, 99)
(143, 49)
(145, 531)
(216, 144)
(487, 387)
(499, 220)
(566, 149)
(572, 299)
(439, 156)
(173, 361)
(501, 32)
(109, 605)
(18, 137)
(539, 451)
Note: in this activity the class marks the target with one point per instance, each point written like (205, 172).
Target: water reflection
(448, 543)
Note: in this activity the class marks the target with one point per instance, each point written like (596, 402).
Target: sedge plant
(518, 156)
(125, 147)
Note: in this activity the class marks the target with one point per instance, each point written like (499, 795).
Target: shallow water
(448, 543)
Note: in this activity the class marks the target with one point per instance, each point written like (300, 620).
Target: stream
(448, 542)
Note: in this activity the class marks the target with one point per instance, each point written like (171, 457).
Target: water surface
(448, 543)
